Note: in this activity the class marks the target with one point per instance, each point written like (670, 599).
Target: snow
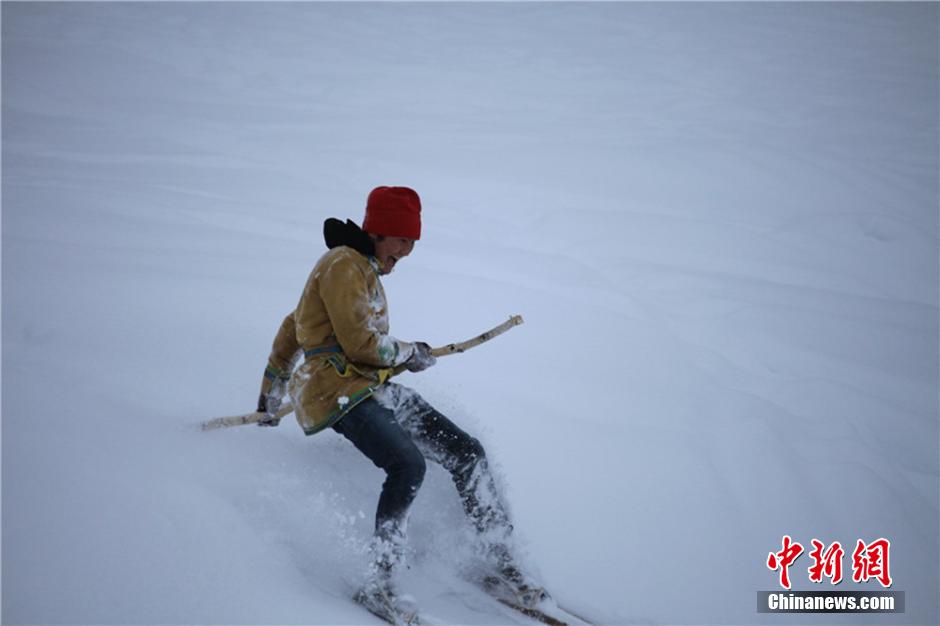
(719, 221)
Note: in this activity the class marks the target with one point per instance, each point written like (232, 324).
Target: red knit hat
(393, 212)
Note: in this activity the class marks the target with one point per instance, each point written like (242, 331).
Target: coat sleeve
(356, 317)
(284, 353)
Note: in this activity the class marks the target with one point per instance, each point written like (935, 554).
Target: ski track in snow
(719, 222)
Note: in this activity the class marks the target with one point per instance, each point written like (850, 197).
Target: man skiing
(341, 328)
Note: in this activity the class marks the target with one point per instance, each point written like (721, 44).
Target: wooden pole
(452, 348)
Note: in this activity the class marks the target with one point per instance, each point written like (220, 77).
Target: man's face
(390, 250)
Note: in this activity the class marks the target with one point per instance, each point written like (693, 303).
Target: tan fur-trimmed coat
(340, 328)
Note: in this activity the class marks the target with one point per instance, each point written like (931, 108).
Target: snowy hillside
(719, 221)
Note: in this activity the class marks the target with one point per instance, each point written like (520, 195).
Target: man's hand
(421, 359)
(268, 420)
(270, 403)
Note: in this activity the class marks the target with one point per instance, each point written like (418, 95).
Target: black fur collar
(337, 233)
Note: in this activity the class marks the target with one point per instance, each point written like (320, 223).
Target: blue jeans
(397, 430)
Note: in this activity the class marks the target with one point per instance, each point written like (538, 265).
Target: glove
(421, 359)
(270, 403)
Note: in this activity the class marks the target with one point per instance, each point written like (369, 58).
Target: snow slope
(720, 222)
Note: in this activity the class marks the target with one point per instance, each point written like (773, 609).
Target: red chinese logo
(783, 559)
(826, 563)
(869, 561)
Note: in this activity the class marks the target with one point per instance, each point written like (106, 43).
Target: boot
(380, 599)
(379, 594)
(507, 582)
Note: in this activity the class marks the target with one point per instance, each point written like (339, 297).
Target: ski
(397, 618)
(534, 613)
(576, 616)
(553, 616)
(534, 603)
(396, 610)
